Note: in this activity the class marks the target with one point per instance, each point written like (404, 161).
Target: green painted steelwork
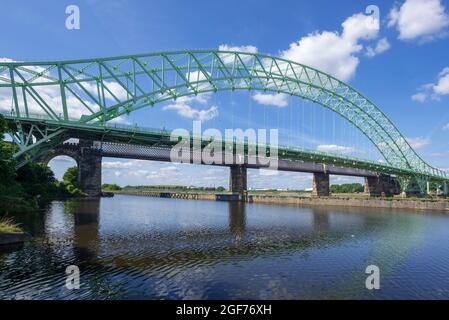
(95, 91)
(161, 138)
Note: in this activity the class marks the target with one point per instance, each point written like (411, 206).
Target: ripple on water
(149, 248)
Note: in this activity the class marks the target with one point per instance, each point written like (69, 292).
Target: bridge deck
(290, 158)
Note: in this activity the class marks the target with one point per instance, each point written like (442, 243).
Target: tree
(25, 189)
(70, 181)
(36, 180)
(11, 192)
(111, 187)
(70, 177)
(347, 188)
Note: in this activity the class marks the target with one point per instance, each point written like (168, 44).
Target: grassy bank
(7, 225)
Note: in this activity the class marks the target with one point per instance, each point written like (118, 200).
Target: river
(131, 247)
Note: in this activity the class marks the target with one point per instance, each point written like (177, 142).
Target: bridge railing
(283, 150)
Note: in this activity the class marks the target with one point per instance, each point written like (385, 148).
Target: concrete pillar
(89, 169)
(238, 179)
(382, 185)
(320, 185)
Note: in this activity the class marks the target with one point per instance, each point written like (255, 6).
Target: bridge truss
(87, 94)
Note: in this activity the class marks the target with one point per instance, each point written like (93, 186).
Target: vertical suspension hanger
(302, 120)
(313, 121)
(250, 106)
(278, 126)
(232, 109)
(333, 127)
(323, 110)
(290, 120)
(265, 117)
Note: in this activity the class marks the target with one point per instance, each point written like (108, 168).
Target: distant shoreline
(286, 198)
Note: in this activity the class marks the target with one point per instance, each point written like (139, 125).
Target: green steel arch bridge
(87, 94)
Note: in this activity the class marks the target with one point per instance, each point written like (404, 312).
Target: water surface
(130, 247)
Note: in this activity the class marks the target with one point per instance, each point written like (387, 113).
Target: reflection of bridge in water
(202, 244)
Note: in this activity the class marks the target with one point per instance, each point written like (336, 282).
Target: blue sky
(400, 67)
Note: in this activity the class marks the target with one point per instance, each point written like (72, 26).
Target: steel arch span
(95, 91)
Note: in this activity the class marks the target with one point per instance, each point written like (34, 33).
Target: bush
(347, 188)
(111, 187)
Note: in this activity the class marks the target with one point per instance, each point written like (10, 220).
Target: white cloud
(139, 173)
(419, 142)
(120, 165)
(265, 172)
(189, 112)
(446, 127)
(333, 148)
(381, 46)
(64, 159)
(434, 90)
(202, 98)
(442, 85)
(419, 19)
(120, 120)
(117, 165)
(165, 172)
(116, 89)
(335, 52)
(279, 100)
(419, 97)
(6, 60)
(183, 107)
(440, 154)
(196, 76)
(229, 58)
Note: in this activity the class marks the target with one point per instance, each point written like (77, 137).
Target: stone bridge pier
(375, 186)
(320, 187)
(382, 185)
(88, 161)
(238, 179)
(89, 169)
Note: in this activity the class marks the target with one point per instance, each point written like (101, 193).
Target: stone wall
(396, 203)
(368, 203)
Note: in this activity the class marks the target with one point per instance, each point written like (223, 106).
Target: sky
(402, 66)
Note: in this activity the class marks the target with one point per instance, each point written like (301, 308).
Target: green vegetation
(8, 226)
(70, 182)
(26, 189)
(110, 187)
(347, 188)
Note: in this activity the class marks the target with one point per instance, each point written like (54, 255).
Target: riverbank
(340, 200)
(10, 233)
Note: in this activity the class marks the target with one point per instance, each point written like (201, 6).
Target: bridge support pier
(382, 185)
(414, 187)
(238, 179)
(320, 185)
(89, 169)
